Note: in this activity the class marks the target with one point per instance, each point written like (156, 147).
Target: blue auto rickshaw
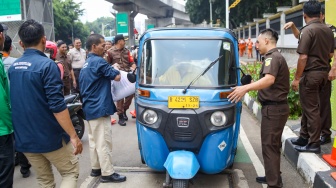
(185, 122)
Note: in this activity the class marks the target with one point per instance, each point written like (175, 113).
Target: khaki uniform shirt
(77, 58)
(120, 57)
(314, 41)
(65, 62)
(276, 65)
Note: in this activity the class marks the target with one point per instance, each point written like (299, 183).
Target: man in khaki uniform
(273, 88)
(77, 57)
(315, 50)
(325, 94)
(68, 71)
(119, 57)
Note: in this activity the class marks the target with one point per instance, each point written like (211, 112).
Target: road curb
(311, 167)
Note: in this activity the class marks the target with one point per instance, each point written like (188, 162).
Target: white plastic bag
(123, 88)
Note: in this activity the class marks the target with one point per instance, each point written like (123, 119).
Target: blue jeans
(6, 160)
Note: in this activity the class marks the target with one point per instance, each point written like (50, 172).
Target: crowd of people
(242, 44)
(35, 128)
(316, 48)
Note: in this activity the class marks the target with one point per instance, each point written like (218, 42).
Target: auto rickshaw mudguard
(153, 147)
(182, 164)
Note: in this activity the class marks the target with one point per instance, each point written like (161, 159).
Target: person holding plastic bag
(121, 58)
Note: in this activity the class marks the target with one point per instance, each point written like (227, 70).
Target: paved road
(248, 162)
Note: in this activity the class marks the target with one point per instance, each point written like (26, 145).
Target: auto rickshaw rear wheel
(179, 183)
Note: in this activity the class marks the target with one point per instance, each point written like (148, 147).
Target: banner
(10, 10)
(330, 15)
(122, 23)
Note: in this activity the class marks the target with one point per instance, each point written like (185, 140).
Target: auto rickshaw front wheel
(179, 183)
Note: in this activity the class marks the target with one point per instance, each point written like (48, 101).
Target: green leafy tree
(66, 21)
(245, 11)
(96, 26)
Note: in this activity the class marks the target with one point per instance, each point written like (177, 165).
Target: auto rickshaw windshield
(178, 62)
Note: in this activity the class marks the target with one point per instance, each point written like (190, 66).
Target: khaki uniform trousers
(310, 87)
(273, 121)
(65, 162)
(124, 104)
(100, 141)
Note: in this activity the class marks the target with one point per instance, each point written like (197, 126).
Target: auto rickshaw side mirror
(246, 79)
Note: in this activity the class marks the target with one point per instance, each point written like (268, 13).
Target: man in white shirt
(77, 57)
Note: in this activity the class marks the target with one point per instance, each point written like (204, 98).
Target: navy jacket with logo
(36, 94)
(95, 87)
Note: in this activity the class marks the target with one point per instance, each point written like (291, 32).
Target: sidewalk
(311, 166)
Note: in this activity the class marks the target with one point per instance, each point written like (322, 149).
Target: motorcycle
(76, 113)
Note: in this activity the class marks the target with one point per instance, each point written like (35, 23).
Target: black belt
(318, 69)
(273, 103)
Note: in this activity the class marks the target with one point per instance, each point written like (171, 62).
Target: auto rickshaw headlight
(150, 117)
(218, 118)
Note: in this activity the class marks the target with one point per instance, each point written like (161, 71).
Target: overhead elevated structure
(162, 13)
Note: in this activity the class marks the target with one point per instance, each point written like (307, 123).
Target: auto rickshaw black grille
(183, 136)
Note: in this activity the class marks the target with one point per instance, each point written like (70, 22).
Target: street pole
(102, 29)
(72, 38)
(227, 14)
(210, 1)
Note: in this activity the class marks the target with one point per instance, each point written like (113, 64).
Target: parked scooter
(76, 113)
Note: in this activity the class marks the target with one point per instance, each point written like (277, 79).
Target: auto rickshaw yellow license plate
(183, 102)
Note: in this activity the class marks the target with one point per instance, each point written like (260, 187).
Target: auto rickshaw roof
(178, 32)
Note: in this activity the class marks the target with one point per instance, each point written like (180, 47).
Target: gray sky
(100, 8)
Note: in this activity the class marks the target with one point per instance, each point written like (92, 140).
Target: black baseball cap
(3, 27)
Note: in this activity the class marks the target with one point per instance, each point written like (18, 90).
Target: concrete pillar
(244, 33)
(282, 30)
(250, 29)
(282, 23)
(239, 33)
(256, 20)
(267, 15)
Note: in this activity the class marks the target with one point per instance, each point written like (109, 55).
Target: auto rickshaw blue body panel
(218, 148)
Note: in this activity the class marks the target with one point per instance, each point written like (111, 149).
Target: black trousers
(23, 162)
(6, 160)
(76, 73)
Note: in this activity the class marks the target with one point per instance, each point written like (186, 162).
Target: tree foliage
(66, 21)
(96, 26)
(245, 11)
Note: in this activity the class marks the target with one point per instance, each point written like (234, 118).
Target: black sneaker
(121, 121)
(95, 172)
(25, 173)
(125, 116)
(115, 177)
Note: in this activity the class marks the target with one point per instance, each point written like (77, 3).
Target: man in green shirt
(6, 128)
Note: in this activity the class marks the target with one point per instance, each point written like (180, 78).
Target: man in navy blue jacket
(41, 120)
(95, 88)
